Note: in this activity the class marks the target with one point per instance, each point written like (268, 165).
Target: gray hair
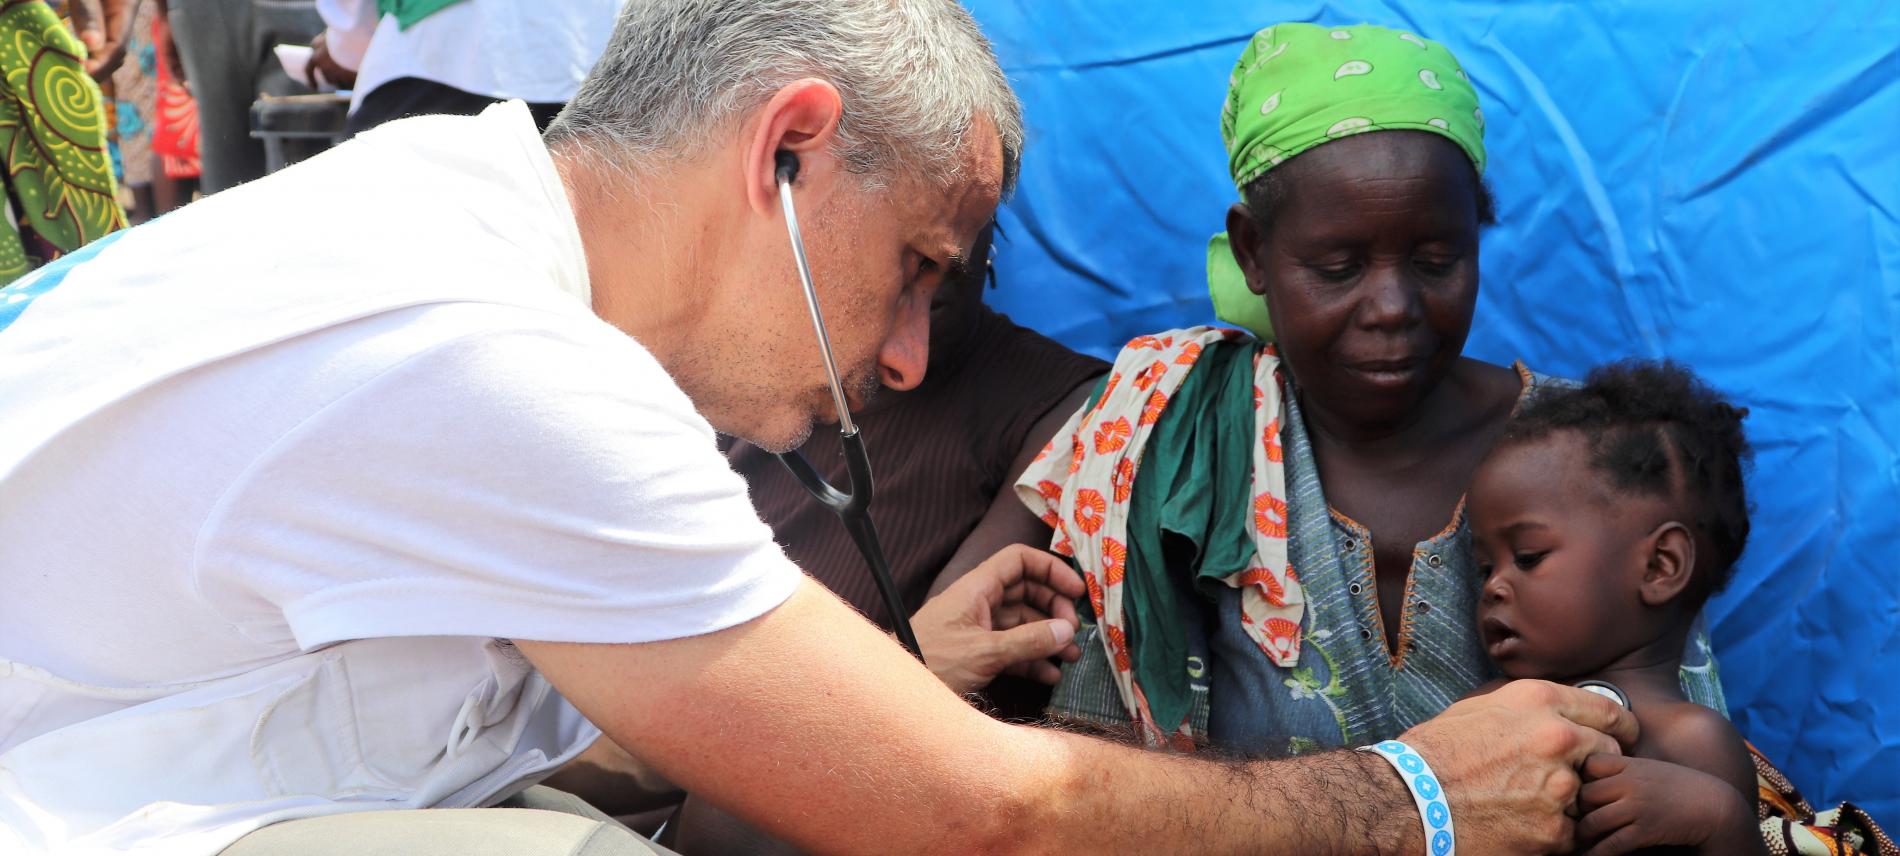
(913, 75)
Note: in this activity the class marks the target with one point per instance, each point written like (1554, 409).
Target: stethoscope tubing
(811, 302)
(852, 508)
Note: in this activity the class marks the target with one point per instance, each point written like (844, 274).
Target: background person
(224, 47)
(459, 57)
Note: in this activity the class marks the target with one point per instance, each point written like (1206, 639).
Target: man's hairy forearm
(1121, 798)
(812, 726)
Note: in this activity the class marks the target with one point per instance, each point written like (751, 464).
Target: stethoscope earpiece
(787, 169)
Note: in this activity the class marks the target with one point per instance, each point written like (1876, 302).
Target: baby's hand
(1632, 803)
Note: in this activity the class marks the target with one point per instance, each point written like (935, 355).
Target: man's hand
(1509, 761)
(1633, 803)
(1009, 614)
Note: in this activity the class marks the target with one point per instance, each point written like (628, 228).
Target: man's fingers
(1592, 743)
(1597, 713)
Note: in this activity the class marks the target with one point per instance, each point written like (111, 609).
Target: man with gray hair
(348, 502)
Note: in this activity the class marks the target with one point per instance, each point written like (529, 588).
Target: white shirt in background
(281, 468)
(534, 50)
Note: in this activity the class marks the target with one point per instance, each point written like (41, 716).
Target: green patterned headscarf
(1297, 86)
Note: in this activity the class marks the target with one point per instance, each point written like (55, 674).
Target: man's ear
(801, 118)
(1671, 564)
(1243, 239)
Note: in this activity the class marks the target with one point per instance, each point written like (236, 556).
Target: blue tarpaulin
(1716, 182)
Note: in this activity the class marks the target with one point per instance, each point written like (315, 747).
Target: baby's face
(1563, 558)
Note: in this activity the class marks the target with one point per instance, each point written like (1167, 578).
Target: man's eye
(1527, 561)
(926, 266)
(1435, 266)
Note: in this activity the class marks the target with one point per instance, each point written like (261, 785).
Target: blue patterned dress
(1348, 689)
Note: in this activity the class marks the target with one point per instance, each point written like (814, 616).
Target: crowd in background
(116, 111)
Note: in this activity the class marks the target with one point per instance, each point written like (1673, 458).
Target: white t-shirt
(280, 468)
(535, 51)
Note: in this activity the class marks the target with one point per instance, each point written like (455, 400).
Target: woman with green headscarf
(1273, 535)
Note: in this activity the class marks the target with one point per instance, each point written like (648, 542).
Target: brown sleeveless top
(940, 453)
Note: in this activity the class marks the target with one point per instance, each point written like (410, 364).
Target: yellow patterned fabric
(1791, 827)
(52, 142)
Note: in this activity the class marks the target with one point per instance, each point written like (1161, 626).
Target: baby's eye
(1484, 571)
(1527, 561)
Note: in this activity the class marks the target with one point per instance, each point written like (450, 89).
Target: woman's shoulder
(1488, 392)
(1511, 386)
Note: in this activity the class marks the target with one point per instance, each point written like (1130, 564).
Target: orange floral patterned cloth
(1081, 484)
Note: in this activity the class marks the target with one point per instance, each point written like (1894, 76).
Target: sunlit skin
(1370, 271)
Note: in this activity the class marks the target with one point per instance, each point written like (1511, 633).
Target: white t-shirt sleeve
(544, 484)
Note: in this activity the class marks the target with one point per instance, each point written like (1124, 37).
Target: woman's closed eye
(1335, 271)
(1435, 265)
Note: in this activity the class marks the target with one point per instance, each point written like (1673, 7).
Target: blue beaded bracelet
(1433, 811)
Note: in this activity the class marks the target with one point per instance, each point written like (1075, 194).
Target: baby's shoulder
(1689, 734)
(1684, 725)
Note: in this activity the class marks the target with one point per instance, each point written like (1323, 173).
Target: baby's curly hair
(1656, 429)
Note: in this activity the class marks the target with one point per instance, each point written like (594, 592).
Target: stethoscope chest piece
(1607, 690)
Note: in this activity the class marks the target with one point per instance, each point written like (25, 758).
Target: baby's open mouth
(1499, 639)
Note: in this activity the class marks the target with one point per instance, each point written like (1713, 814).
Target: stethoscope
(853, 508)
(1607, 690)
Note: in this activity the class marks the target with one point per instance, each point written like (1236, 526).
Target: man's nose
(906, 353)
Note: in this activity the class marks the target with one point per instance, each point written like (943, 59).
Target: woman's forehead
(1366, 184)
(1379, 155)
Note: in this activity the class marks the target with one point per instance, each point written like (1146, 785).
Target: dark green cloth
(1189, 518)
(408, 12)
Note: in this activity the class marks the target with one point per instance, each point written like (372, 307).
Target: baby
(1603, 519)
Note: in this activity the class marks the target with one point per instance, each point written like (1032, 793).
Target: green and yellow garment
(59, 180)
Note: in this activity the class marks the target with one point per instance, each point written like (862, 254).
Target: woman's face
(1370, 269)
